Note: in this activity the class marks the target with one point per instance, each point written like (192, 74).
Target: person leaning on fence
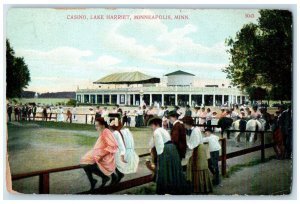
(214, 148)
(178, 133)
(101, 159)
(197, 171)
(169, 175)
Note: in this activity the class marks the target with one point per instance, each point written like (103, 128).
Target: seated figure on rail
(214, 148)
(126, 158)
(169, 175)
(197, 171)
(101, 159)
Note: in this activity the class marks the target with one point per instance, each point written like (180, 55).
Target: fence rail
(44, 175)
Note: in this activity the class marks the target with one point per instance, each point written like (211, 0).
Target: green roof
(179, 72)
(127, 78)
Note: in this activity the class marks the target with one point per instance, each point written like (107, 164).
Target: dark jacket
(178, 137)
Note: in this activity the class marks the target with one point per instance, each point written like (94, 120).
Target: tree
(261, 55)
(17, 73)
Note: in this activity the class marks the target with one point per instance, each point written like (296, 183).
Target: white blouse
(161, 136)
(193, 141)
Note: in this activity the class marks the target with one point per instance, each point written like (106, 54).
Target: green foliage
(261, 55)
(71, 102)
(17, 73)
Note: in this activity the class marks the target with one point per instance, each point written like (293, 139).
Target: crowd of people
(176, 137)
(113, 154)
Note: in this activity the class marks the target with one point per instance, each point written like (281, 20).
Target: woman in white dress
(126, 158)
(60, 114)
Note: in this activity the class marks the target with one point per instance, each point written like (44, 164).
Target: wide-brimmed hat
(188, 120)
(154, 120)
(116, 124)
(173, 113)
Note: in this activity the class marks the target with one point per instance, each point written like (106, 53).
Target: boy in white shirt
(214, 148)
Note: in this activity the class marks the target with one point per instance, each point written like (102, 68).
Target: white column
(236, 99)
(222, 99)
(129, 99)
(90, 99)
(96, 98)
(118, 98)
(125, 99)
(141, 98)
(163, 99)
(109, 99)
(176, 99)
(214, 100)
(190, 99)
(82, 98)
(102, 98)
(241, 99)
(203, 102)
(150, 101)
(134, 99)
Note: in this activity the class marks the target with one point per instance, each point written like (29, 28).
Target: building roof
(127, 78)
(179, 72)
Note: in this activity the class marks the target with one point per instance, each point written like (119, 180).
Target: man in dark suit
(178, 134)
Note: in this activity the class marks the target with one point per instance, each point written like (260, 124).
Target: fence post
(85, 118)
(262, 146)
(44, 183)
(223, 156)
(228, 134)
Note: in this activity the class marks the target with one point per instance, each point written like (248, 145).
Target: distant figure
(74, 111)
(45, 115)
(34, 112)
(60, 114)
(119, 110)
(125, 119)
(140, 118)
(91, 115)
(29, 112)
(188, 111)
(9, 112)
(17, 113)
(209, 117)
(69, 116)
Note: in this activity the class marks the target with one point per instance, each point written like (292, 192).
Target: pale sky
(65, 53)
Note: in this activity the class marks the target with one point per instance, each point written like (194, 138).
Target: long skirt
(198, 172)
(139, 121)
(169, 177)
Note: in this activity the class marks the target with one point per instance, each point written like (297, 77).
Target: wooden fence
(44, 175)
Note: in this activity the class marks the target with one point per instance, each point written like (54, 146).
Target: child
(214, 148)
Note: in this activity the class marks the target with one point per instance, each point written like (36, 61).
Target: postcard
(149, 101)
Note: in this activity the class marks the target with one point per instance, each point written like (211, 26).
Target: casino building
(176, 88)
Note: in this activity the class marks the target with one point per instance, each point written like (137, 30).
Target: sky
(63, 53)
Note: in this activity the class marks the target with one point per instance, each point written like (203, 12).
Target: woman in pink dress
(101, 159)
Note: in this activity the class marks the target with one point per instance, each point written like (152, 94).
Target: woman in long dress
(60, 114)
(197, 168)
(126, 158)
(101, 159)
(169, 174)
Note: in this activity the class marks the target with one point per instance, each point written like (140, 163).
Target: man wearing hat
(178, 133)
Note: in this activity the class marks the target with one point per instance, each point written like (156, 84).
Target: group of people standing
(183, 141)
(21, 112)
